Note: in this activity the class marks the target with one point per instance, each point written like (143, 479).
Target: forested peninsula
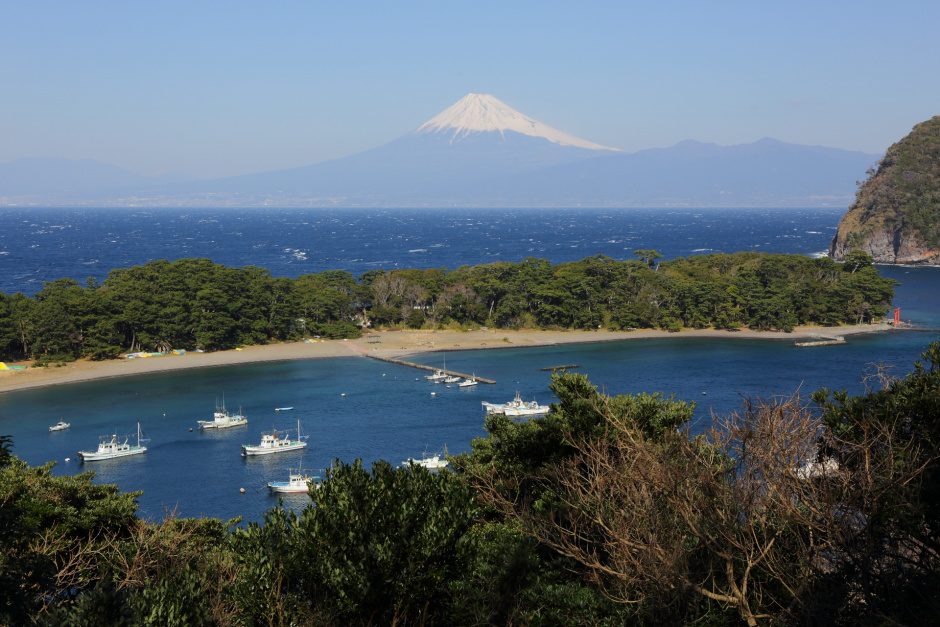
(197, 304)
(896, 214)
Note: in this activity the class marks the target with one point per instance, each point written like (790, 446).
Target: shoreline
(397, 344)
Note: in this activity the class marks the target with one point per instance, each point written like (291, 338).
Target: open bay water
(388, 411)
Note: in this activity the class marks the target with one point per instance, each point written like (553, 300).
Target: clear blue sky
(223, 88)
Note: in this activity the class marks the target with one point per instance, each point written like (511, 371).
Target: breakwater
(453, 373)
(822, 340)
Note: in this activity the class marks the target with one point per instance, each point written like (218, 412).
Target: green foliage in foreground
(605, 512)
(193, 303)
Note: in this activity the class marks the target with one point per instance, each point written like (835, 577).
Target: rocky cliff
(896, 214)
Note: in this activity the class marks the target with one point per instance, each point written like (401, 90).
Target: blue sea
(360, 408)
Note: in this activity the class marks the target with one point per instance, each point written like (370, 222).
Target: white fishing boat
(433, 462)
(222, 419)
(516, 407)
(437, 376)
(451, 379)
(60, 426)
(466, 383)
(276, 442)
(297, 482)
(112, 446)
(531, 408)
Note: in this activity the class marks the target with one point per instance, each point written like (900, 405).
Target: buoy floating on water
(242, 490)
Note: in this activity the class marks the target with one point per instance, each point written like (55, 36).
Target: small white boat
(111, 447)
(466, 383)
(431, 463)
(297, 482)
(276, 442)
(222, 419)
(516, 407)
(527, 409)
(451, 379)
(60, 426)
(283, 408)
(437, 376)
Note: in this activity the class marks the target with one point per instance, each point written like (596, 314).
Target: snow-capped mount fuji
(482, 113)
(475, 141)
(481, 152)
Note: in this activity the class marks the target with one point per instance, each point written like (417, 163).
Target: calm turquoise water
(388, 411)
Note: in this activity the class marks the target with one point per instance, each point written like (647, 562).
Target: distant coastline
(387, 344)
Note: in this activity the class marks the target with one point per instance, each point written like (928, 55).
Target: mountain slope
(70, 177)
(896, 215)
(482, 113)
(765, 173)
(481, 152)
(477, 139)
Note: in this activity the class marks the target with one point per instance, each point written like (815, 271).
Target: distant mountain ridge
(56, 175)
(481, 152)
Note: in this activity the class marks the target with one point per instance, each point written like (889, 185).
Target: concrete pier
(453, 373)
(822, 340)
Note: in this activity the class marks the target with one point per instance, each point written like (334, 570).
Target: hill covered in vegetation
(196, 304)
(896, 214)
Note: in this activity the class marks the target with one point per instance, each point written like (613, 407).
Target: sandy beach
(397, 344)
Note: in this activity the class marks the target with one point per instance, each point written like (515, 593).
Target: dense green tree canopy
(196, 304)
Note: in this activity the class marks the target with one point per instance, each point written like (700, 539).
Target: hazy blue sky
(223, 88)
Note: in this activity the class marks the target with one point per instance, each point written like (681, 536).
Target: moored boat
(516, 407)
(433, 462)
(437, 376)
(527, 409)
(222, 419)
(111, 447)
(297, 482)
(466, 383)
(60, 426)
(279, 441)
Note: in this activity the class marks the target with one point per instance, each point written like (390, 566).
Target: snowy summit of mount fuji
(482, 113)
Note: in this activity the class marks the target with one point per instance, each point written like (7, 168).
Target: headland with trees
(197, 304)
